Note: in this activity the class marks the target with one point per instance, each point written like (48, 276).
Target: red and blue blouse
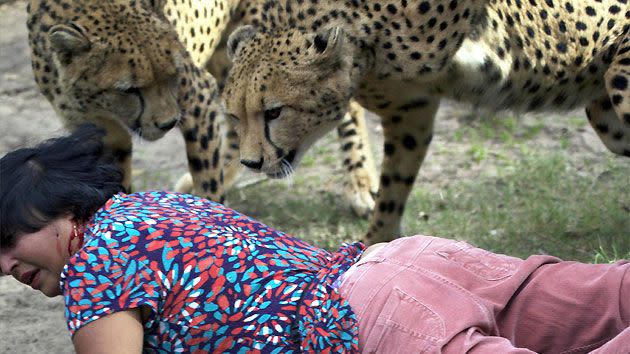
(213, 279)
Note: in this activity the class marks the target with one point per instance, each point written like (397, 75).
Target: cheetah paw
(362, 201)
(184, 184)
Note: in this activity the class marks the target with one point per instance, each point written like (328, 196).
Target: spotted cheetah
(121, 65)
(294, 74)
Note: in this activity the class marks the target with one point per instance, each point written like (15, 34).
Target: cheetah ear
(67, 40)
(326, 46)
(239, 37)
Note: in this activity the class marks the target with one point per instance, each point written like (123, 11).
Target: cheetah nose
(255, 165)
(167, 126)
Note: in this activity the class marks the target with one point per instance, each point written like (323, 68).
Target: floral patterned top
(213, 279)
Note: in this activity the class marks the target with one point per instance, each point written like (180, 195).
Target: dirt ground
(31, 323)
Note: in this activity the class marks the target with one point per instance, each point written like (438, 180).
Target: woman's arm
(121, 332)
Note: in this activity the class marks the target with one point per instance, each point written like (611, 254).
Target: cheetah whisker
(287, 172)
(137, 137)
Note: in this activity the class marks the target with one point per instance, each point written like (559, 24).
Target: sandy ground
(31, 323)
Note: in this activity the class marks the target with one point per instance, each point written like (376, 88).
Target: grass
(536, 205)
(304, 209)
(504, 129)
(610, 256)
(497, 187)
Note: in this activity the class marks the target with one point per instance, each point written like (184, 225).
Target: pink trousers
(425, 294)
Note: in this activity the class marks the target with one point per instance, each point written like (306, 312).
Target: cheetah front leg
(229, 157)
(218, 66)
(360, 189)
(408, 130)
(615, 133)
(203, 137)
(232, 167)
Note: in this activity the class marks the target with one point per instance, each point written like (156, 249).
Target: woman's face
(37, 259)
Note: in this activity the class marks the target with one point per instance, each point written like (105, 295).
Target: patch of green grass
(531, 131)
(308, 160)
(506, 129)
(478, 152)
(506, 137)
(303, 210)
(498, 127)
(538, 205)
(460, 133)
(610, 254)
(577, 122)
(322, 153)
(143, 179)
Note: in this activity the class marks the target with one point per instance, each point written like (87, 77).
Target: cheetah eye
(233, 117)
(273, 113)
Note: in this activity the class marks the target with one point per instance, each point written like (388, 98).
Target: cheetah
(293, 75)
(121, 65)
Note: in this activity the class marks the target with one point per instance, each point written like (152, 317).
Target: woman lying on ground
(158, 271)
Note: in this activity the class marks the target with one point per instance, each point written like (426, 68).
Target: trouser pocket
(405, 325)
(483, 264)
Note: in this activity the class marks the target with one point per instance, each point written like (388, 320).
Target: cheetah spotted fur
(295, 72)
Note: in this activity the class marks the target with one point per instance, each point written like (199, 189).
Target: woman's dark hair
(69, 175)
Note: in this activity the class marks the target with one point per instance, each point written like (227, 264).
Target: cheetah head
(114, 60)
(284, 91)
